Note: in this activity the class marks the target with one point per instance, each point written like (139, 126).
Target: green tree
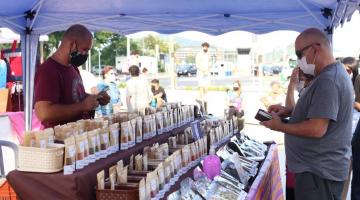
(53, 43)
(150, 42)
(112, 45)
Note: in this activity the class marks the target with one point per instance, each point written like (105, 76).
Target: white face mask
(305, 67)
(299, 86)
(351, 75)
(110, 78)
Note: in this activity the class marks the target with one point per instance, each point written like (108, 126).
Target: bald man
(318, 135)
(59, 92)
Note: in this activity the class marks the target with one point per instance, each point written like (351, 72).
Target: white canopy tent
(31, 18)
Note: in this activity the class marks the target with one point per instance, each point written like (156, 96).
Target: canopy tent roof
(7, 36)
(172, 16)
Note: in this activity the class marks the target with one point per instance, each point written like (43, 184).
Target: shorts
(204, 81)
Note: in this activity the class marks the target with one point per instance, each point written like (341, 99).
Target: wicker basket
(121, 192)
(49, 160)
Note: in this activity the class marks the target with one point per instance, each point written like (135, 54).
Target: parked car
(276, 69)
(186, 70)
(266, 70)
(95, 69)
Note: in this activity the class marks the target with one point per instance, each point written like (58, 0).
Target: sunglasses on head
(299, 53)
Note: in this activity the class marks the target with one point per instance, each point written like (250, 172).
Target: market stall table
(77, 186)
(267, 184)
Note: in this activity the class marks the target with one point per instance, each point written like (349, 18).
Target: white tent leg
(28, 52)
(26, 82)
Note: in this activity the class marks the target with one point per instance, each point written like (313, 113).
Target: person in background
(109, 85)
(60, 96)
(318, 134)
(145, 71)
(158, 92)
(203, 73)
(138, 94)
(298, 82)
(275, 97)
(144, 74)
(89, 81)
(351, 66)
(236, 101)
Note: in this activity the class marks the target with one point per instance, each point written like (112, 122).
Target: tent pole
(128, 47)
(28, 107)
(171, 58)
(311, 13)
(36, 13)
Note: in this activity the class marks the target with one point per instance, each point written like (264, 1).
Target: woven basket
(120, 193)
(49, 160)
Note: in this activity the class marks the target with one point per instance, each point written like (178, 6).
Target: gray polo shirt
(329, 96)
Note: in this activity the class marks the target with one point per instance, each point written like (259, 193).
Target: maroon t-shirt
(59, 84)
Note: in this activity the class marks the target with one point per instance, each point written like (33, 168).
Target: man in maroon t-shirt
(59, 92)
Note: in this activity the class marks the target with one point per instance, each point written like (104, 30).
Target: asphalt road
(246, 81)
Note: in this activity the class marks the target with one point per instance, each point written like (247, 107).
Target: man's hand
(103, 98)
(273, 124)
(90, 102)
(279, 110)
(294, 77)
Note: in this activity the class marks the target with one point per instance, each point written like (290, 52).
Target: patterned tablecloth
(267, 185)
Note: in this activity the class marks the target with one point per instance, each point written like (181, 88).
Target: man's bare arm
(49, 112)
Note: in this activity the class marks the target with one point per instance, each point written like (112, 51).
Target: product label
(86, 144)
(82, 146)
(167, 171)
(69, 169)
(142, 193)
(138, 139)
(79, 164)
(43, 144)
(94, 142)
(105, 138)
(124, 146)
(51, 139)
(72, 151)
(161, 175)
(153, 185)
(115, 135)
(32, 143)
(98, 141)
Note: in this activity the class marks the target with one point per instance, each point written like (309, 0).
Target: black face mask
(205, 50)
(235, 88)
(77, 59)
(153, 88)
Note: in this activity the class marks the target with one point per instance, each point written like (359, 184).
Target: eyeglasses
(299, 53)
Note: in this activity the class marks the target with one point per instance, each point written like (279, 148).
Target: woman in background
(109, 84)
(236, 101)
